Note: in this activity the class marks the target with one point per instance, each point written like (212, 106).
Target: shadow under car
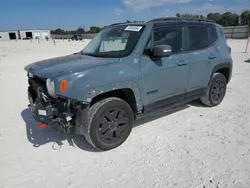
(55, 134)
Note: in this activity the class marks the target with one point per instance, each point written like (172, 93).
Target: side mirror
(162, 51)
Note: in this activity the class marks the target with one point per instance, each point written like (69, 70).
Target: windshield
(118, 41)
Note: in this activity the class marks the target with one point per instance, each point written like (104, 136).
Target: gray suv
(100, 91)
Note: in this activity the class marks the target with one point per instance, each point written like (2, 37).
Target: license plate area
(42, 112)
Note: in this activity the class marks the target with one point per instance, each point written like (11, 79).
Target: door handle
(212, 57)
(182, 63)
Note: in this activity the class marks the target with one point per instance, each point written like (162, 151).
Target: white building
(8, 35)
(24, 34)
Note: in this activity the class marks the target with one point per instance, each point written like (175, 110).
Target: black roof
(176, 19)
(159, 22)
(169, 20)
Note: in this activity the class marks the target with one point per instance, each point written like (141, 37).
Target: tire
(216, 90)
(109, 123)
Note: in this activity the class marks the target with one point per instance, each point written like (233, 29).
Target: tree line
(79, 30)
(224, 19)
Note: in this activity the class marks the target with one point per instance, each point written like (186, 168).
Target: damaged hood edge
(53, 67)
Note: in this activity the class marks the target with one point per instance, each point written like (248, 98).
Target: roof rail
(112, 25)
(139, 22)
(117, 23)
(179, 19)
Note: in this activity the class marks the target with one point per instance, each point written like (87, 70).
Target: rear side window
(212, 34)
(169, 36)
(201, 36)
(222, 33)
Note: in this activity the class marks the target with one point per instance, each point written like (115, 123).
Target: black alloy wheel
(112, 125)
(218, 90)
(109, 123)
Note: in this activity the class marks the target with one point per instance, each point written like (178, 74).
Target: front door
(165, 80)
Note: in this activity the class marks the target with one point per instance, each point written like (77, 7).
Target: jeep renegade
(99, 91)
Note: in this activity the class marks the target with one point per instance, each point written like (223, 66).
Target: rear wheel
(216, 90)
(110, 122)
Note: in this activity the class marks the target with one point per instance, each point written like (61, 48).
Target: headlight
(51, 87)
(30, 75)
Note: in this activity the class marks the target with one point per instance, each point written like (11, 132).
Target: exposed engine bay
(48, 110)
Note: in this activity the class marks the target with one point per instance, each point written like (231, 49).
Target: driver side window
(169, 36)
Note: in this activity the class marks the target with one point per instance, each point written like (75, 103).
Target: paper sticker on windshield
(133, 28)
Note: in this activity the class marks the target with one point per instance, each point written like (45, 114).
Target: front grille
(36, 83)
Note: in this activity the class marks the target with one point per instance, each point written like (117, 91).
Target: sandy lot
(194, 146)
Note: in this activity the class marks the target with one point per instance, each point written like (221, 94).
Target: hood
(76, 62)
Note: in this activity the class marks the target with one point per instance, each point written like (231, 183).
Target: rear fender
(221, 66)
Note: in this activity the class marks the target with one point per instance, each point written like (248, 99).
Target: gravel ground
(193, 146)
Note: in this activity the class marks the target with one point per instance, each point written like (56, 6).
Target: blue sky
(65, 14)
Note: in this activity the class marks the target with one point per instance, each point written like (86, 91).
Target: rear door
(202, 55)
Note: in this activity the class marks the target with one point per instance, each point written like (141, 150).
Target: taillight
(230, 51)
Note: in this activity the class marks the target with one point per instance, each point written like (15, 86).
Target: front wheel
(216, 90)
(110, 122)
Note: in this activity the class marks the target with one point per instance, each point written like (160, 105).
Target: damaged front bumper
(42, 112)
(47, 110)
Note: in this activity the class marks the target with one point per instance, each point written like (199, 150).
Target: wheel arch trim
(221, 66)
(94, 92)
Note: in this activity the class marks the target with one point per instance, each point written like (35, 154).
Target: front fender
(85, 85)
(86, 93)
(89, 94)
